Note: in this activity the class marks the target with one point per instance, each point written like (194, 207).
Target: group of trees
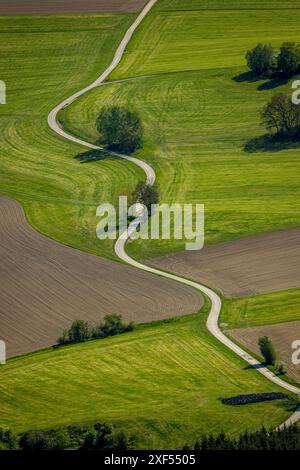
(264, 60)
(283, 439)
(120, 129)
(96, 436)
(81, 331)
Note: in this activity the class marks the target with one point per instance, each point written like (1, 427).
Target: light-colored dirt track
(10, 7)
(213, 317)
(254, 265)
(45, 286)
(282, 336)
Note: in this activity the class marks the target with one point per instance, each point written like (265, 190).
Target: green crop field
(266, 309)
(197, 123)
(161, 383)
(43, 60)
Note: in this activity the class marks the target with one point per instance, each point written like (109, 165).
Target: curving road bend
(216, 304)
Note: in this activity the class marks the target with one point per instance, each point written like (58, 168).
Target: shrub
(267, 350)
(79, 331)
(121, 129)
(281, 369)
(8, 440)
(64, 338)
(98, 437)
(112, 325)
(261, 59)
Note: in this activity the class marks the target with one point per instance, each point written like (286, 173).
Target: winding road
(216, 303)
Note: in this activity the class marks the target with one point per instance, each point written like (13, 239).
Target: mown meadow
(162, 383)
(201, 113)
(266, 309)
(44, 59)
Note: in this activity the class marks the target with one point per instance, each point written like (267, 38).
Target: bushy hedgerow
(80, 330)
(96, 436)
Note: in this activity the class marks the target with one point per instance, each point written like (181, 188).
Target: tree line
(101, 436)
(81, 331)
(84, 437)
(284, 439)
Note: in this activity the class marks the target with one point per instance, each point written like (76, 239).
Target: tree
(79, 331)
(261, 59)
(289, 58)
(282, 115)
(121, 129)
(267, 350)
(146, 194)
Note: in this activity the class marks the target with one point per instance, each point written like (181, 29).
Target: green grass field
(192, 35)
(43, 60)
(197, 123)
(161, 383)
(266, 309)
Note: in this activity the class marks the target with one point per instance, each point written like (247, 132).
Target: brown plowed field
(44, 286)
(282, 336)
(250, 266)
(11, 7)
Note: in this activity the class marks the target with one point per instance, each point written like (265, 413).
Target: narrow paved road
(212, 321)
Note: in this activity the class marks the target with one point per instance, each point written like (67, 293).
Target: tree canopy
(120, 128)
(261, 59)
(267, 350)
(146, 194)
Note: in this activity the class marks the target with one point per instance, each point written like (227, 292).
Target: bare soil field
(255, 265)
(12, 7)
(282, 336)
(44, 286)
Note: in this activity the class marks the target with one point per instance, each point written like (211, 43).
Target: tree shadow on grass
(93, 155)
(272, 83)
(246, 77)
(271, 143)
